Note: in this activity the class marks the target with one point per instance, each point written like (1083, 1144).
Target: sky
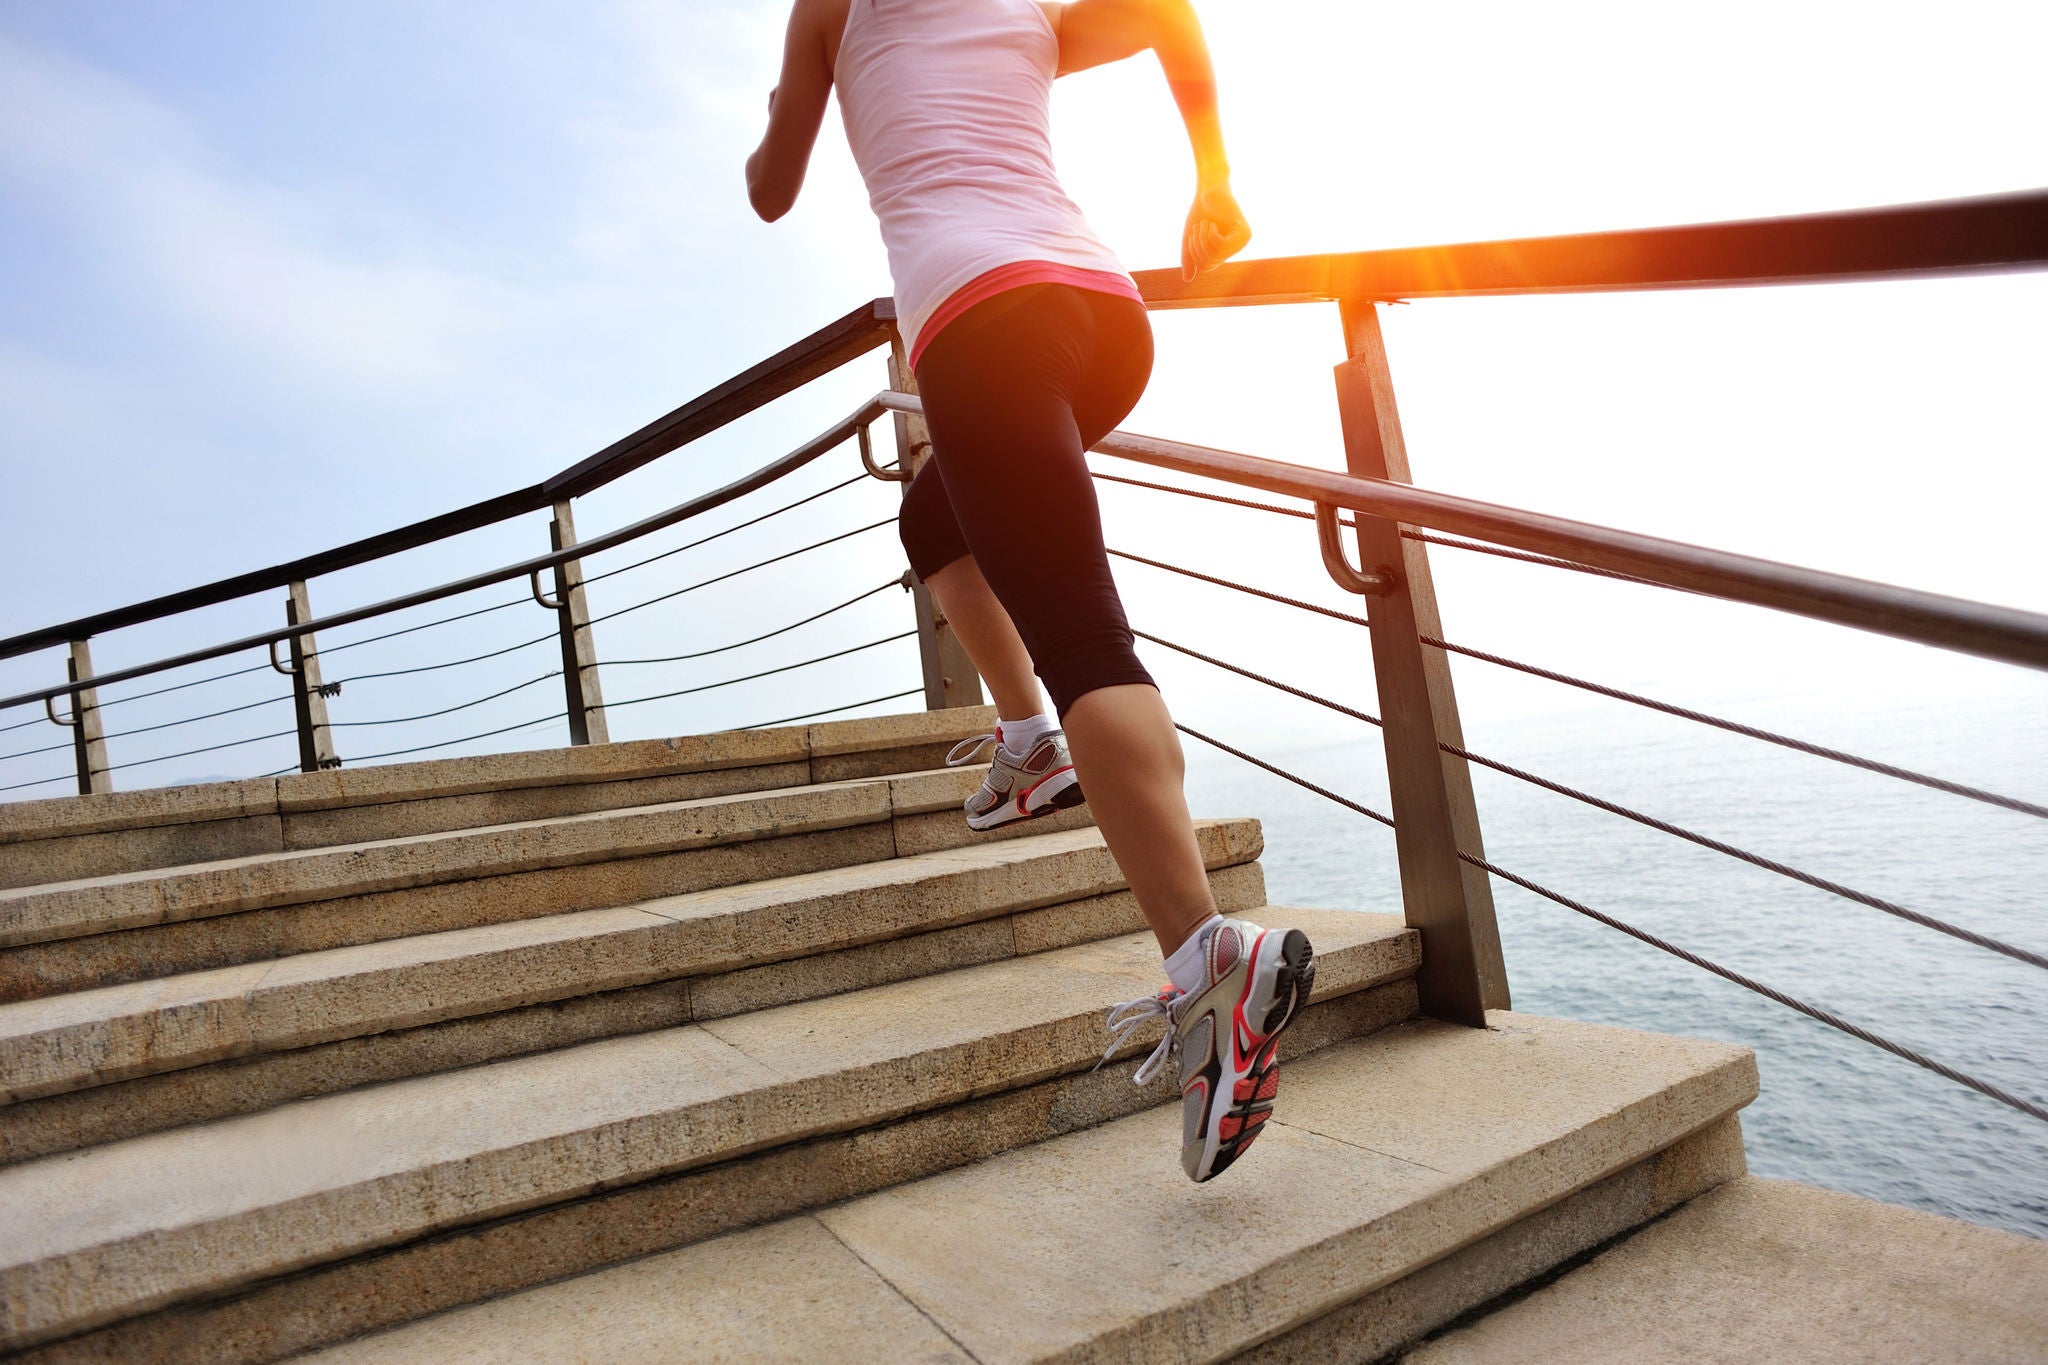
(277, 276)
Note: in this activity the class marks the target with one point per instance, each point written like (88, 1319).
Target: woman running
(1030, 343)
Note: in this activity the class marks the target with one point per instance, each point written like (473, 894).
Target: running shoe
(1024, 788)
(1226, 1033)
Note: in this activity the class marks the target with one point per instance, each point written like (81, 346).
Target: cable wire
(189, 720)
(705, 653)
(768, 672)
(1296, 779)
(1989, 798)
(449, 743)
(787, 507)
(1770, 993)
(1243, 588)
(188, 753)
(1351, 524)
(1850, 893)
(424, 625)
(39, 782)
(31, 753)
(813, 715)
(452, 663)
(775, 559)
(446, 710)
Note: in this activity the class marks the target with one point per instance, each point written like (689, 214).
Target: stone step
(710, 953)
(136, 926)
(1385, 1155)
(70, 838)
(1772, 1270)
(118, 1230)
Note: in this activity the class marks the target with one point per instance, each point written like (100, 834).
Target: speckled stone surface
(43, 969)
(129, 900)
(793, 926)
(1363, 1176)
(684, 1306)
(1771, 1270)
(1079, 1247)
(68, 838)
(117, 1230)
(334, 1302)
(1369, 1328)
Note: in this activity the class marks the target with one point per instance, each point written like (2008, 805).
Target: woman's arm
(796, 108)
(1095, 32)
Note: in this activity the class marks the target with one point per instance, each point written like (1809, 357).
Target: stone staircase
(736, 1046)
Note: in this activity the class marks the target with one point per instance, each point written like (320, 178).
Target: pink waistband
(1013, 276)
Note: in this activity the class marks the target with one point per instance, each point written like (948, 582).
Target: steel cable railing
(1813, 1012)
(833, 710)
(741, 526)
(762, 564)
(757, 639)
(764, 673)
(1684, 713)
(446, 710)
(1757, 860)
(451, 743)
(333, 687)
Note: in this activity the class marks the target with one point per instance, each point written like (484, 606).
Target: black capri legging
(1015, 391)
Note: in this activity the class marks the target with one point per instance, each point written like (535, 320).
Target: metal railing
(1446, 876)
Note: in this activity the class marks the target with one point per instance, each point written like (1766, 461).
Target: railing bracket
(1377, 583)
(887, 474)
(540, 596)
(288, 672)
(50, 708)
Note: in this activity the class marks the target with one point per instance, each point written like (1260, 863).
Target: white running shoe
(1227, 1034)
(1039, 783)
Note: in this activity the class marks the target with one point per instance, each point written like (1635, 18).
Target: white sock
(1019, 735)
(1184, 968)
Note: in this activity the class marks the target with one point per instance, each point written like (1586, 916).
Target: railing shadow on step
(1378, 553)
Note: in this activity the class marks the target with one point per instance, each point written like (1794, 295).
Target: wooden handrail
(1908, 241)
(1950, 237)
(861, 331)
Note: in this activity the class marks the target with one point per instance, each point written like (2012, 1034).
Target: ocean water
(1834, 1111)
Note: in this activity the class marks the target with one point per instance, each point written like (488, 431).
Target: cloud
(249, 262)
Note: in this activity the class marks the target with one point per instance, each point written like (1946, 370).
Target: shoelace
(966, 750)
(1132, 1015)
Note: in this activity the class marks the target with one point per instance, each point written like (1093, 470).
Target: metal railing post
(950, 678)
(88, 736)
(309, 693)
(580, 685)
(1449, 901)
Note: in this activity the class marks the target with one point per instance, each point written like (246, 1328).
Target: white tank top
(946, 109)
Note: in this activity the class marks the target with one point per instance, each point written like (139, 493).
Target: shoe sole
(1066, 798)
(1291, 975)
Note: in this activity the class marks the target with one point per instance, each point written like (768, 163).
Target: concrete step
(157, 1221)
(134, 926)
(705, 955)
(1386, 1155)
(69, 838)
(1772, 1270)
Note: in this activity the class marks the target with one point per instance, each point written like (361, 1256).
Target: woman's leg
(939, 555)
(1128, 757)
(970, 607)
(1000, 399)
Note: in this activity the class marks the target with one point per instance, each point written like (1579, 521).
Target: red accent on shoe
(1023, 797)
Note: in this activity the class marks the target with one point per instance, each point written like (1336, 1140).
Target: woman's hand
(1216, 230)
